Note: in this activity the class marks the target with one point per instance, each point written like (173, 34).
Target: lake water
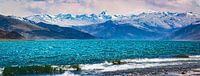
(93, 52)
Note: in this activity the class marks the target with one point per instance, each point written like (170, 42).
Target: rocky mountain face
(32, 30)
(190, 32)
(57, 32)
(68, 19)
(144, 26)
(167, 20)
(111, 30)
(10, 35)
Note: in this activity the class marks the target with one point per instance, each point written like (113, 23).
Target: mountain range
(111, 30)
(144, 26)
(31, 30)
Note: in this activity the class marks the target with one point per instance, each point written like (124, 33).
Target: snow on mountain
(69, 19)
(153, 25)
(165, 20)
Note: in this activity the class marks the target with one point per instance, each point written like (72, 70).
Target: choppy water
(92, 54)
(89, 51)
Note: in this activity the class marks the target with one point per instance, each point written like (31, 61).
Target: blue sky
(125, 7)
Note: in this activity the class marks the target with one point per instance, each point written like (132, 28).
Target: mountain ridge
(32, 30)
(191, 32)
(110, 30)
(150, 26)
(165, 19)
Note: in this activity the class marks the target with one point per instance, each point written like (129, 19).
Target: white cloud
(175, 5)
(30, 7)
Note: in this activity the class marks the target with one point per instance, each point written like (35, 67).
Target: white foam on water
(162, 59)
(138, 63)
(1, 71)
(67, 73)
(126, 65)
(104, 67)
(195, 56)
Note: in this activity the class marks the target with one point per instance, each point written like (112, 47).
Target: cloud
(30, 7)
(175, 5)
(163, 3)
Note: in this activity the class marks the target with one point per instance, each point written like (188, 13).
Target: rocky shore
(175, 70)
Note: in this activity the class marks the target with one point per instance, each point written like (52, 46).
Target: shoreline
(175, 70)
(181, 70)
(135, 67)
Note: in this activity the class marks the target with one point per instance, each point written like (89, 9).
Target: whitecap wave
(126, 65)
(1, 71)
(139, 63)
(195, 56)
(67, 73)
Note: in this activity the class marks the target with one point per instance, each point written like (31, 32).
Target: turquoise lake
(64, 52)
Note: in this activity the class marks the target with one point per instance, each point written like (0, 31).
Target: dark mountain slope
(40, 30)
(57, 32)
(110, 30)
(10, 35)
(191, 32)
(9, 24)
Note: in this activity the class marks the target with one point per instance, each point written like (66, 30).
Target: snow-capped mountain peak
(166, 20)
(70, 19)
